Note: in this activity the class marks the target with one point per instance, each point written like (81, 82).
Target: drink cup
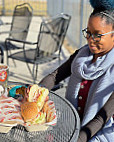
(4, 69)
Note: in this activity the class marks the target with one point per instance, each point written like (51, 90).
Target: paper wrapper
(10, 116)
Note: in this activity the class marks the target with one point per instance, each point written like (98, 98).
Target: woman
(91, 71)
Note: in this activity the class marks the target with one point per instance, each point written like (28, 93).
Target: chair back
(21, 20)
(52, 33)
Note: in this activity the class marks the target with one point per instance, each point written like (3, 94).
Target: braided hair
(104, 9)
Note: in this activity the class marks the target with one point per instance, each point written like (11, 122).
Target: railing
(78, 9)
(39, 6)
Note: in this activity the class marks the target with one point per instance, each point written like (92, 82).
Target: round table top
(66, 129)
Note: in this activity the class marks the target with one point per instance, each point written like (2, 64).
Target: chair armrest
(58, 86)
(1, 54)
(10, 32)
(4, 23)
(21, 41)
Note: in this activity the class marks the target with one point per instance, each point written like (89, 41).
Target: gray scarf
(102, 74)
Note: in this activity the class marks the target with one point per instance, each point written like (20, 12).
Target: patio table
(66, 129)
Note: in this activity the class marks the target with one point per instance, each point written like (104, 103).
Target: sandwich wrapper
(10, 115)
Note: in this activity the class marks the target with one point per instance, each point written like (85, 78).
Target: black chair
(48, 46)
(19, 26)
(1, 54)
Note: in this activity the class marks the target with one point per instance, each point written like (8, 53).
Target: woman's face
(96, 25)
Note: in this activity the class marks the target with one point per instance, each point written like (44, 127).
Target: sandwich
(32, 114)
(32, 108)
(35, 93)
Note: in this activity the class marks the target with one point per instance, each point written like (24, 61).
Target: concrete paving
(20, 73)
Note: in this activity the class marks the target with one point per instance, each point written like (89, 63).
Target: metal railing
(39, 6)
(78, 9)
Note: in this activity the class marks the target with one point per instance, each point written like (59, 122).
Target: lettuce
(41, 118)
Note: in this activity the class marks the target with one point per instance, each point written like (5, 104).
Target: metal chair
(48, 46)
(19, 26)
(1, 54)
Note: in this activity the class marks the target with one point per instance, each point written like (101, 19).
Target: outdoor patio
(20, 73)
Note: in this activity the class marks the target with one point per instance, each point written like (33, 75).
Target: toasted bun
(29, 110)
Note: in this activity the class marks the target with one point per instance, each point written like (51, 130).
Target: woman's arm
(89, 130)
(59, 74)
